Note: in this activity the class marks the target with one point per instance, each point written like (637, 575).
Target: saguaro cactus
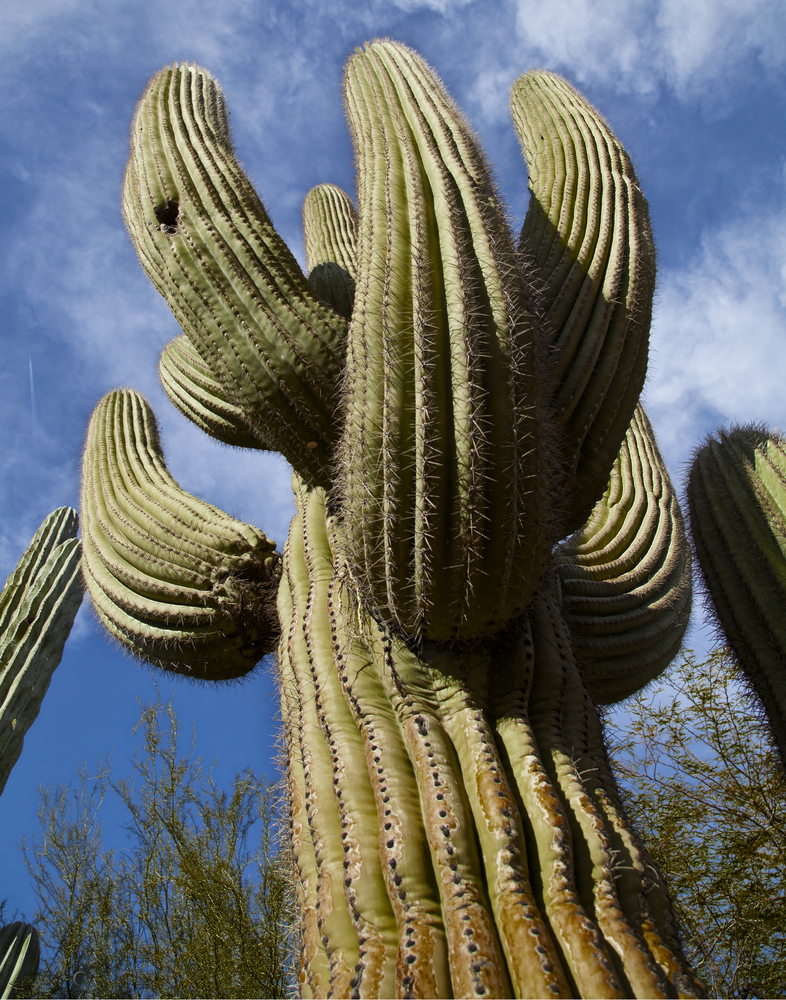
(37, 609)
(452, 407)
(737, 502)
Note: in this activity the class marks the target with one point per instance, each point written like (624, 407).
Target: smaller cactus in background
(37, 609)
(737, 503)
(20, 954)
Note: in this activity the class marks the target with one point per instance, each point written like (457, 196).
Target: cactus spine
(452, 407)
(37, 609)
(737, 503)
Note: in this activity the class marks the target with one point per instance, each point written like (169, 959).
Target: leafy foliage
(187, 910)
(703, 785)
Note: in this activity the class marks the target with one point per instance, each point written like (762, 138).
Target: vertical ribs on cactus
(37, 609)
(452, 408)
(737, 504)
(176, 581)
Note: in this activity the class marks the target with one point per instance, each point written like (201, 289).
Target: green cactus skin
(193, 389)
(178, 582)
(491, 756)
(37, 609)
(482, 850)
(443, 464)
(587, 240)
(20, 954)
(626, 576)
(330, 223)
(330, 231)
(737, 504)
(205, 240)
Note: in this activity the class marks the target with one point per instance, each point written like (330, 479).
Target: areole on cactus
(452, 407)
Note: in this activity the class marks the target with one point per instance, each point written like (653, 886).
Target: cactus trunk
(482, 849)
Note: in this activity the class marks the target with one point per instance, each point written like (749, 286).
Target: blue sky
(695, 91)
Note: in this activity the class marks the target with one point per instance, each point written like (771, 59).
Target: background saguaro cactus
(37, 609)
(474, 406)
(737, 501)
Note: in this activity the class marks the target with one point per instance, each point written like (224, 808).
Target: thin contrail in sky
(32, 406)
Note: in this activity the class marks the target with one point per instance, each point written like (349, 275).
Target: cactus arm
(626, 576)
(178, 582)
(20, 954)
(330, 224)
(587, 239)
(37, 608)
(195, 391)
(207, 243)
(737, 502)
(440, 362)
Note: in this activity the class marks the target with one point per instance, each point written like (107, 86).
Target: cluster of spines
(737, 504)
(626, 576)
(37, 608)
(206, 241)
(177, 581)
(442, 461)
(587, 244)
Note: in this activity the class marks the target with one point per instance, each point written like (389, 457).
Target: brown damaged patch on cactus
(167, 217)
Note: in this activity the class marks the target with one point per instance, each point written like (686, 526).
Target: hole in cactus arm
(167, 216)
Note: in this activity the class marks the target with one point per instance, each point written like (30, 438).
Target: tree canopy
(704, 787)
(188, 908)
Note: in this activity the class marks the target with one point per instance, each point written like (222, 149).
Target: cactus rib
(175, 580)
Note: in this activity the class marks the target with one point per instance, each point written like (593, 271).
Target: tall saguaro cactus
(452, 406)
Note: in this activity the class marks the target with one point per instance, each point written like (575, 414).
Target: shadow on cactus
(452, 405)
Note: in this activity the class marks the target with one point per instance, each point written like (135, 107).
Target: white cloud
(719, 333)
(640, 45)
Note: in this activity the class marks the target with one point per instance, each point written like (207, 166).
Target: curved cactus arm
(37, 609)
(737, 503)
(205, 240)
(442, 474)
(626, 576)
(178, 582)
(588, 245)
(197, 393)
(20, 954)
(330, 224)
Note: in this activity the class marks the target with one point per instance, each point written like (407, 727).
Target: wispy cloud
(641, 45)
(718, 332)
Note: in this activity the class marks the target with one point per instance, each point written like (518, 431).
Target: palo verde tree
(197, 903)
(453, 405)
(701, 781)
